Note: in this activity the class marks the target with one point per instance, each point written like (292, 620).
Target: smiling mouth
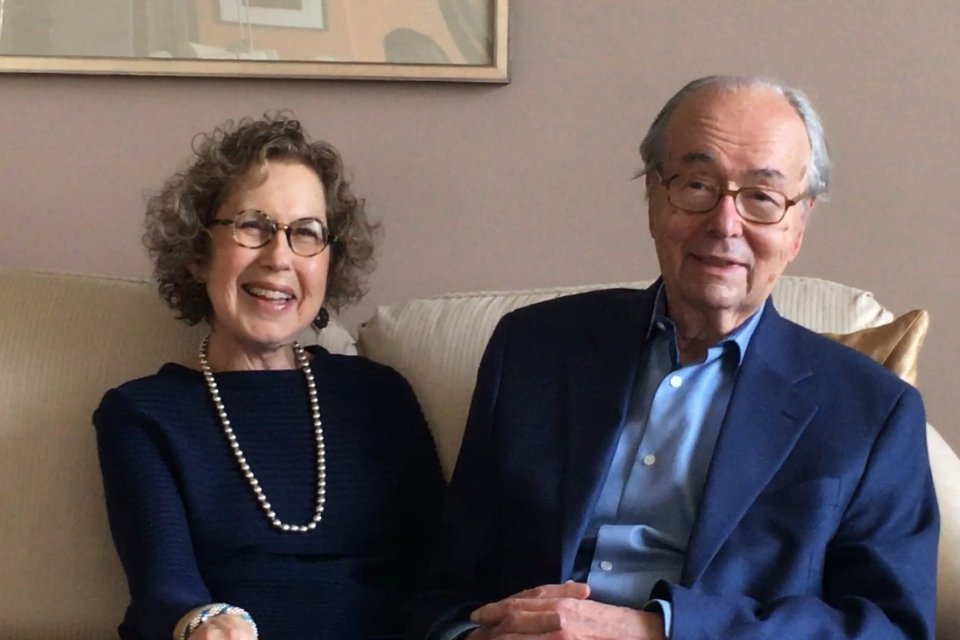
(712, 261)
(267, 294)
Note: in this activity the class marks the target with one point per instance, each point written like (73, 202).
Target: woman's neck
(227, 354)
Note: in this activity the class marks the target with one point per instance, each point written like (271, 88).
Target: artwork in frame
(440, 40)
(297, 14)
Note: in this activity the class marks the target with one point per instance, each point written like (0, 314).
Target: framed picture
(436, 40)
(297, 14)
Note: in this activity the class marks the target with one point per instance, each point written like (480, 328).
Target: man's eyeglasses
(254, 229)
(698, 195)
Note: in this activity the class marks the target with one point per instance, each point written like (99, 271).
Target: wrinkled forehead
(739, 134)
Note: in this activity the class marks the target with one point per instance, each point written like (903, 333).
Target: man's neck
(700, 329)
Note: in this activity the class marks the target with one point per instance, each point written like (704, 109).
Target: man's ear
(804, 218)
(650, 181)
(797, 242)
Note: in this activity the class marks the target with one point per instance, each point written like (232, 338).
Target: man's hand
(562, 612)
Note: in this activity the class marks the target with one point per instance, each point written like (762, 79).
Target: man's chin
(717, 297)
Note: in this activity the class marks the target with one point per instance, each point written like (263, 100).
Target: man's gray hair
(653, 152)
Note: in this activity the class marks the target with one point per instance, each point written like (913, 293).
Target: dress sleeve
(147, 518)
(422, 483)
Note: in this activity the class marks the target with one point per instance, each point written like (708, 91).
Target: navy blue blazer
(818, 518)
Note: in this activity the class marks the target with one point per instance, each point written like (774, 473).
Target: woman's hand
(227, 626)
(224, 627)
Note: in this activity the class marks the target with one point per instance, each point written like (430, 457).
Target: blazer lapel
(764, 419)
(600, 380)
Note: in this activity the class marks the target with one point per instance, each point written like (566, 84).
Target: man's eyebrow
(767, 172)
(702, 157)
(697, 157)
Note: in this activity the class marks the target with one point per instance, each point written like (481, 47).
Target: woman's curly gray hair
(178, 214)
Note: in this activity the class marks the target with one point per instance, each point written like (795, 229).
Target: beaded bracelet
(214, 610)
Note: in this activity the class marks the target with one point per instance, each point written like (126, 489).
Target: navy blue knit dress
(189, 530)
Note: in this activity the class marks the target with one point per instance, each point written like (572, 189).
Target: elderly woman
(265, 487)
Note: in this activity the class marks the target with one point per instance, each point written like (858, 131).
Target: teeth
(267, 293)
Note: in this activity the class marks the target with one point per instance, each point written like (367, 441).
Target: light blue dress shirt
(643, 519)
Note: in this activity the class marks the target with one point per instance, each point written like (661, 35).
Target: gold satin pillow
(895, 345)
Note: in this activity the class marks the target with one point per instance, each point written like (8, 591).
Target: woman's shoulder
(362, 379)
(172, 377)
(356, 369)
(172, 384)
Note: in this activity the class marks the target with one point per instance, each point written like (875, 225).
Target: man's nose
(724, 219)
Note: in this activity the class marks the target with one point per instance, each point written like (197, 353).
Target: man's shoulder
(595, 306)
(832, 360)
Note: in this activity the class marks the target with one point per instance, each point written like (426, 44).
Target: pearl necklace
(304, 366)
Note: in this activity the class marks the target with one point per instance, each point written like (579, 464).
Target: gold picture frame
(419, 40)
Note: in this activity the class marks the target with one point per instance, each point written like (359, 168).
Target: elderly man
(682, 462)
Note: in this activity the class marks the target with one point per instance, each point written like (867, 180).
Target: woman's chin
(263, 336)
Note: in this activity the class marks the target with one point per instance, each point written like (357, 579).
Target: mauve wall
(490, 187)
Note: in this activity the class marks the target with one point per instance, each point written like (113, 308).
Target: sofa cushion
(895, 345)
(65, 341)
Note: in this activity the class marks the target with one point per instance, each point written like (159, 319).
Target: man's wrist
(665, 610)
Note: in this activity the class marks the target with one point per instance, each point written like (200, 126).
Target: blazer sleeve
(147, 520)
(460, 577)
(880, 571)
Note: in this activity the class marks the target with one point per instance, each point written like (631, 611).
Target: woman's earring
(322, 319)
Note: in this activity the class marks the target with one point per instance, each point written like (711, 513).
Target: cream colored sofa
(64, 340)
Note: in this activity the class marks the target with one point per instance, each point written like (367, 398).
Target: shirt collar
(738, 339)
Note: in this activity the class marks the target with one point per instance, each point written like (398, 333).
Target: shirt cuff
(458, 630)
(665, 609)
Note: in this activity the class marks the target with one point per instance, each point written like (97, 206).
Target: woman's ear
(195, 271)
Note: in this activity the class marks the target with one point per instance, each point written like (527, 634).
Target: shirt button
(606, 565)
(649, 459)
(660, 326)
(676, 381)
